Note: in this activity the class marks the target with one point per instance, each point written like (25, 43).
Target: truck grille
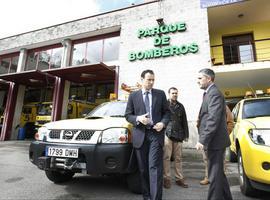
(85, 135)
(54, 134)
(69, 135)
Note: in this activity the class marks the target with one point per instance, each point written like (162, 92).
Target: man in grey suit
(147, 110)
(213, 135)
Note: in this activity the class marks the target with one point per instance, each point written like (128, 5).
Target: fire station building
(90, 58)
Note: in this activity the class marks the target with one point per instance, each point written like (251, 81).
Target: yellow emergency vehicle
(251, 144)
(76, 109)
(27, 119)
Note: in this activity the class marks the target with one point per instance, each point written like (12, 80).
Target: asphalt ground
(20, 179)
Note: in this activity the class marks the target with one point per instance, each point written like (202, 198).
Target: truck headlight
(114, 135)
(260, 136)
(42, 133)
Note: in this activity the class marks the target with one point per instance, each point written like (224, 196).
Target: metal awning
(98, 72)
(30, 78)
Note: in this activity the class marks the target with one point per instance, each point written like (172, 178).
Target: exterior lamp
(160, 21)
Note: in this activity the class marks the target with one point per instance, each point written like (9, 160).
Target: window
(56, 57)
(46, 58)
(87, 53)
(31, 63)
(235, 111)
(104, 90)
(109, 109)
(256, 108)
(96, 51)
(238, 49)
(78, 54)
(4, 65)
(14, 64)
(9, 63)
(111, 49)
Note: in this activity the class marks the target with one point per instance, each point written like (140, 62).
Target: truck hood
(90, 124)
(259, 122)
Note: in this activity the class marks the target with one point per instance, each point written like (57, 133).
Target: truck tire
(59, 176)
(134, 182)
(245, 186)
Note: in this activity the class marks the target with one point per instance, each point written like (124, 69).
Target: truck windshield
(45, 109)
(256, 108)
(111, 109)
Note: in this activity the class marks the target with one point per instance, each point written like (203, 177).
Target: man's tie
(147, 103)
(204, 95)
(147, 108)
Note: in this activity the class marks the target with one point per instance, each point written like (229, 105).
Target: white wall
(179, 71)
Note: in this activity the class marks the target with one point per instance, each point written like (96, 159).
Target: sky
(20, 16)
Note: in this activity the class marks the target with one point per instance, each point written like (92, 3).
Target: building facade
(94, 56)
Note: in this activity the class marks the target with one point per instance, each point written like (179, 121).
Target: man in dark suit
(213, 135)
(147, 110)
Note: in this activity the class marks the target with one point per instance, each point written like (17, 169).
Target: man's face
(203, 81)
(173, 94)
(148, 81)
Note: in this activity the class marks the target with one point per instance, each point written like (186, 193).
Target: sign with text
(161, 41)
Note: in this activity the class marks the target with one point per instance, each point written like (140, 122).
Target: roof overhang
(98, 72)
(34, 78)
(238, 14)
(4, 85)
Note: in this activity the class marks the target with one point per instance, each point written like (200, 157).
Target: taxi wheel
(134, 182)
(59, 176)
(245, 185)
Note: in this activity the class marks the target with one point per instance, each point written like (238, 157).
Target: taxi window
(236, 111)
(112, 109)
(256, 108)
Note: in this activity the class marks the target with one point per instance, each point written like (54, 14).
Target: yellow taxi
(251, 144)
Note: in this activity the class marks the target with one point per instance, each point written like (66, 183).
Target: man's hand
(158, 126)
(144, 119)
(199, 146)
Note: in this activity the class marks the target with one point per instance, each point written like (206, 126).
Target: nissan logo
(68, 134)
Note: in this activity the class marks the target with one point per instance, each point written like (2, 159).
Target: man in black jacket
(176, 132)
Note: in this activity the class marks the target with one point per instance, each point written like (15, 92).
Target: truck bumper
(93, 158)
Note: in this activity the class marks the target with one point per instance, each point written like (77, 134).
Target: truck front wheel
(59, 176)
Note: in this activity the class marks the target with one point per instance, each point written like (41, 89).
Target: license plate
(62, 152)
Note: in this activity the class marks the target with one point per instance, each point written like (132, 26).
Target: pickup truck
(99, 144)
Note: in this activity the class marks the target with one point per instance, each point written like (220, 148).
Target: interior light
(34, 80)
(85, 75)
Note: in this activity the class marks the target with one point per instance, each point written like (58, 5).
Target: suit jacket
(212, 124)
(136, 107)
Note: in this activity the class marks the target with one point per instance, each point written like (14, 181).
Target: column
(61, 89)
